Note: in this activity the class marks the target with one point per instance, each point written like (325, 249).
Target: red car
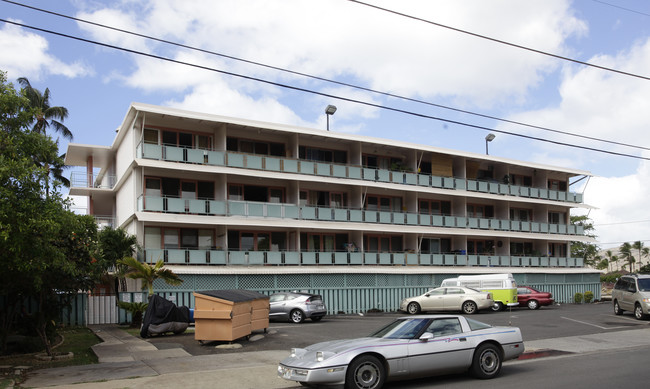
(532, 298)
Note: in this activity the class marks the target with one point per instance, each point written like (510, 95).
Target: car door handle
(463, 339)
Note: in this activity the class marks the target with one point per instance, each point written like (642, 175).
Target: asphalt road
(547, 322)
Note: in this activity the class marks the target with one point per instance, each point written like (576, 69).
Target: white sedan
(456, 298)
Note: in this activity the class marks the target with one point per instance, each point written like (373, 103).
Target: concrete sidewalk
(126, 361)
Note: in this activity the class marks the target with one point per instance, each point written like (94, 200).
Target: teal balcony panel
(175, 205)
(273, 257)
(385, 217)
(411, 219)
(410, 178)
(438, 221)
(448, 182)
(515, 261)
(562, 262)
(524, 191)
(579, 262)
(151, 151)
(217, 207)
(175, 256)
(427, 259)
(535, 227)
(580, 230)
(339, 171)
(484, 260)
(235, 160)
(198, 207)
(504, 189)
(356, 258)
(543, 193)
(292, 258)
(384, 258)
(174, 154)
(308, 213)
(571, 262)
(513, 190)
(197, 257)
(562, 196)
(354, 172)
(544, 228)
(424, 180)
(544, 262)
(291, 212)
(290, 165)
(217, 257)
(256, 257)
(472, 185)
(309, 258)
(425, 220)
(437, 259)
(324, 213)
(323, 169)
(341, 214)
(571, 229)
(273, 164)
(370, 258)
(460, 184)
(578, 197)
(397, 178)
(369, 174)
(356, 215)
(525, 261)
(340, 258)
(255, 209)
(494, 187)
(535, 261)
(307, 167)
(399, 259)
(153, 255)
(154, 204)
(562, 228)
(236, 208)
(370, 216)
(472, 222)
(237, 258)
(472, 260)
(383, 175)
(483, 186)
(216, 158)
(274, 210)
(449, 260)
(484, 223)
(524, 227)
(436, 182)
(196, 156)
(533, 192)
(449, 221)
(553, 262)
(325, 258)
(504, 261)
(411, 259)
(253, 162)
(461, 260)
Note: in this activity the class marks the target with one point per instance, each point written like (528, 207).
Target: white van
(502, 286)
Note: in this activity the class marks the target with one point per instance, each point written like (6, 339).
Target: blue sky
(353, 43)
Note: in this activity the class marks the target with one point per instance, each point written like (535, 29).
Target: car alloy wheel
(638, 312)
(497, 306)
(365, 372)
(413, 308)
(533, 304)
(469, 307)
(486, 362)
(297, 316)
(617, 309)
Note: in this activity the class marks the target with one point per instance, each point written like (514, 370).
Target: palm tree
(45, 116)
(626, 253)
(611, 259)
(149, 273)
(643, 251)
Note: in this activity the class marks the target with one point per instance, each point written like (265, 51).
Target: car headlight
(320, 356)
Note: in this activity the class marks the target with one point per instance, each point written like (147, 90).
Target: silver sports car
(409, 347)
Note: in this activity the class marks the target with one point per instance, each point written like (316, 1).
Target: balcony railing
(89, 180)
(324, 169)
(290, 211)
(344, 258)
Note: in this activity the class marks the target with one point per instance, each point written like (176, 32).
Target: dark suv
(632, 293)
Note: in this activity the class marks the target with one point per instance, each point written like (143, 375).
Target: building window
(256, 241)
(480, 211)
(383, 203)
(255, 147)
(557, 185)
(521, 248)
(557, 218)
(478, 247)
(522, 215)
(150, 136)
(434, 207)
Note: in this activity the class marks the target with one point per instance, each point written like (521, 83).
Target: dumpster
(226, 315)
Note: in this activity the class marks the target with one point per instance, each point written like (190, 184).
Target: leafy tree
(149, 273)
(611, 259)
(627, 254)
(642, 249)
(645, 269)
(586, 251)
(116, 244)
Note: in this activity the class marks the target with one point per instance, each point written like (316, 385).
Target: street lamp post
(488, 138)
(328, 112)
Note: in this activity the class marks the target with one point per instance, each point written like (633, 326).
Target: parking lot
(548, 322)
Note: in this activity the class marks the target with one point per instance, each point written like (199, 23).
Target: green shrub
(610, 277)
(589, 296)
(577, 298)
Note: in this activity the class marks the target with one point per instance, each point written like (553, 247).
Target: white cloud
(27, 55)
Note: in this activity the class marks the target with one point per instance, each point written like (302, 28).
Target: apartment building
(235, 203)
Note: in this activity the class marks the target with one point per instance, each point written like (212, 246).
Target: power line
(619, 7)
(502, 41)
(310, 91)
(325, 79)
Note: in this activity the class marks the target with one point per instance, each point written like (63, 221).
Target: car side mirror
(426, 337)
(427, 294)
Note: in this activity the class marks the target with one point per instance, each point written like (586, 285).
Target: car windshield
(402, 329)
(644, 284)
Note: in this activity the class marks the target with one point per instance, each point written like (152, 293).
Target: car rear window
(476, 325)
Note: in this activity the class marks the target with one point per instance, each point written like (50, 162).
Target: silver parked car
(296, 306)
(452, 298)
(409, 347)
(632, 293)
